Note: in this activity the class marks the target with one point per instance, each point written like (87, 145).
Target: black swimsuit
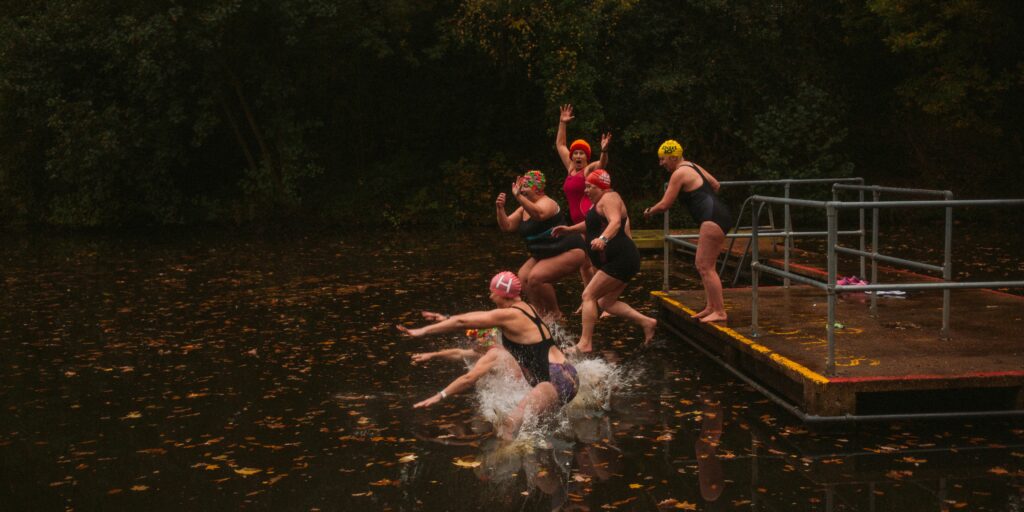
(620, 257)
(533, 361)
(540, 243)
(704, 204)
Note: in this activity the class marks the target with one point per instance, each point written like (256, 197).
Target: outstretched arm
(563, 150)
(565, 230)
(675, 184)
(473, 320)
(464, 382)
(451, 354)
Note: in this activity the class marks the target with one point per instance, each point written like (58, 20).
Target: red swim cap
(506, 284)
(600, 179)
(581, 145)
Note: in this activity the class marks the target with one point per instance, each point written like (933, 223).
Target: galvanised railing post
(755, 212)
(667, 249)
(947, 269)
(830, 362)
(873, 309)
(863, 270)
(788, 222)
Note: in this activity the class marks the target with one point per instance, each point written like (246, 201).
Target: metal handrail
(787, 232)
(830, 286)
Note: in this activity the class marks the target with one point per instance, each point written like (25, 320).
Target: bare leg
(541, 399)
(524, 276)
(547, 271)
(707, 304)
(612, 304)
(708, 248)
(601, 285)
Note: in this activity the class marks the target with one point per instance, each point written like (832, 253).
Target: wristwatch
(603, 238)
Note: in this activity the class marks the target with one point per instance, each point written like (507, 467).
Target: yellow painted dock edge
(817, 378)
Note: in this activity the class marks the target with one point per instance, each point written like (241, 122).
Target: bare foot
(705, 312)
(580, 348)
(649, 329)
(604, 314)
(715, 317)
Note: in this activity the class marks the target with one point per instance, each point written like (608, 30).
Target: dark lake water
(223, 371)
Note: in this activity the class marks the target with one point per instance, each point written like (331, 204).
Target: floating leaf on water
(138, 488)
(899, 474)
(132, 415)
(408, 458)
(635, 486)
(998, 471)
(467, 463)
(248, 471)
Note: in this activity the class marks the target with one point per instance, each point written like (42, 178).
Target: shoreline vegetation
(417, 113)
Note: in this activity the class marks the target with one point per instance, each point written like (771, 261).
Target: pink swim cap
(506, 284)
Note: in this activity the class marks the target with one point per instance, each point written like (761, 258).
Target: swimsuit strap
(700, 173)
(535, 319)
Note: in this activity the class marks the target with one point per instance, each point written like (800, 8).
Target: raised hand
(566, 114)
(500, 201)
(605, 139)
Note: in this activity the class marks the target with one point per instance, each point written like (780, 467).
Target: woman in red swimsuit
(576, 159)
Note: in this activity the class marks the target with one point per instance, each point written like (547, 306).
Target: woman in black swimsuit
(698, 188)
(614, 255)
(550, 258)
(527, 338)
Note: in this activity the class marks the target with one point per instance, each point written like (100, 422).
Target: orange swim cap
(600, 179)
(581, 145)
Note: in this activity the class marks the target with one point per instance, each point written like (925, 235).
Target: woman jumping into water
(698, 188)
(528, 339)
(550, 258)
(613, 254)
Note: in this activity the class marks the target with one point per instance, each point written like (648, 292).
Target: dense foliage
(419, 111)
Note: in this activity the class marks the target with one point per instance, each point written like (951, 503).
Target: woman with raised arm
(527, 338)
(699, 191)
(576, 159)
(550, 258)
(612, 253)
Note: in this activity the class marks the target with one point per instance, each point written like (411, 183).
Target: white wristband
(443, 394)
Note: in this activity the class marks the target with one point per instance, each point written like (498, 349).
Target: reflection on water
(226, 371)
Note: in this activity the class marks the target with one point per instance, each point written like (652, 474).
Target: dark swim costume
(620, 257)
(540, 243)
(704, 204)
(533, 360)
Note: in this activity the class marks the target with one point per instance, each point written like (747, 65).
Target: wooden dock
(894, 364)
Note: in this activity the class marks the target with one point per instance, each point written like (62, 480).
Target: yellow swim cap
(670, 148)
